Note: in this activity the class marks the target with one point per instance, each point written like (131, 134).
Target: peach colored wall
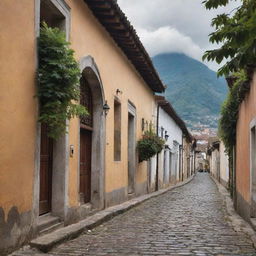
(88, 37)
(247, 113)
(17, 104)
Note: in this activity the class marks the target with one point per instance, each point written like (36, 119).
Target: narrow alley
(189, 220)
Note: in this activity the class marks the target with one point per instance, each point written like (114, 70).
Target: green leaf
(58, 81)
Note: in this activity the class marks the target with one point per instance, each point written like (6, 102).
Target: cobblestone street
(189, 220)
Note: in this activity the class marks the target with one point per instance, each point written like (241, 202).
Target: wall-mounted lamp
(106, 108)
(166, 136)
(71, 151)
(118, 91)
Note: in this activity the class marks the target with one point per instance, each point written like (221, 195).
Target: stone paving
(186, 221)
(190, 220)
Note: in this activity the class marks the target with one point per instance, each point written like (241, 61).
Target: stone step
(253, 223)
(51, 228)
(48, 223)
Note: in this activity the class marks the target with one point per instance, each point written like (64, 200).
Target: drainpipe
(157, 128)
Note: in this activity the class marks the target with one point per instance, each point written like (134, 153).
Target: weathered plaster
(116, 196)
(15, 229)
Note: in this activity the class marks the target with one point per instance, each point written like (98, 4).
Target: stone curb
(237, 222)
(47, 242)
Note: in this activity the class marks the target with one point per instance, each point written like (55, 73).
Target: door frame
(91, 73)
(132, 112)
(60, 161)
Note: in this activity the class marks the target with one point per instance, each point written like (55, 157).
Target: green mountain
(193, 89)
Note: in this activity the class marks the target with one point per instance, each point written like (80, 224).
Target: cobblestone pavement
(189, 220)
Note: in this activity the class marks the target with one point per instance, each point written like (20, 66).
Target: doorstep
(48, 223)
(47, 242)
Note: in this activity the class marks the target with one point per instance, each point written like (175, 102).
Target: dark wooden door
(45, 172)
(85, 165)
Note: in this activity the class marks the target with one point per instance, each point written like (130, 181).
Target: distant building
(177, 161)
(218, 161)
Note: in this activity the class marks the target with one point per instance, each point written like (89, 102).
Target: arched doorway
(92, 136)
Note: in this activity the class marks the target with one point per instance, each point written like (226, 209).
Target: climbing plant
(58, 81)
(230, 109)
(149, 145)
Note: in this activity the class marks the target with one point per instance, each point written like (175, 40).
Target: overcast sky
(173, 25)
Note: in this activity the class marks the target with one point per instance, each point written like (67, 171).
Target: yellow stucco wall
(17, 104)
(88, 37)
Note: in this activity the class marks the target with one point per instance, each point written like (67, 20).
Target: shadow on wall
(15, 231)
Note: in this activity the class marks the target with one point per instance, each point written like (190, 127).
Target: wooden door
(45, 172)
(86, 128)
(85, 165)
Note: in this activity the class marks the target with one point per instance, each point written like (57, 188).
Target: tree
(236, 32)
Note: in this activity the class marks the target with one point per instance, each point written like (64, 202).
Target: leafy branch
(236, 34)
(58, 81)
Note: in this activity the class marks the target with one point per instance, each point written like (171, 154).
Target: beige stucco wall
(247, 113)
(17, 104)
(186, 162)
(88, 37)
(224, 166)
(214, 163)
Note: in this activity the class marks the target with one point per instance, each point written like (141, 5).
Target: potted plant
(149, 145)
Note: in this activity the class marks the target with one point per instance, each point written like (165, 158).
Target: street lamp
(106, 108)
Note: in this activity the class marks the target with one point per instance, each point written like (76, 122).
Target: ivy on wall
(230, 109)
(58, 81)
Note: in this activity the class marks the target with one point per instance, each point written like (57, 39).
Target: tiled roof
(117, 25)
(167, 107)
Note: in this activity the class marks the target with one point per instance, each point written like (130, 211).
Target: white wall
(169, 168)
(173, 130)
(224, 165)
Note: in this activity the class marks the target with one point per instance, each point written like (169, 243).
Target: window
(55, 13)
(162, 132)
(117, 131)
(86, 101)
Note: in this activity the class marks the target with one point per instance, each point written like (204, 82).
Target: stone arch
(90, 72)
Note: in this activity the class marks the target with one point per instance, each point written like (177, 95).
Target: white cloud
(173, 25)
(167, 39)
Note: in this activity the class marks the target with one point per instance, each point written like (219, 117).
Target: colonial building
(168, 166)
(46, 183)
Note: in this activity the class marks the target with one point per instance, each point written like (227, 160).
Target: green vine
(149, 145)
(230, 109)
(58, 81)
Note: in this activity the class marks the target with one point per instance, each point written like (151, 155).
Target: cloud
(167, 39)
(174, 25)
